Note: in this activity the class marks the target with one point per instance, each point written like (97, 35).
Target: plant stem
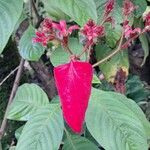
(68, 50)
(11, 73)
(83, 51)
(13, 92)
(120, 47)
(111, 54)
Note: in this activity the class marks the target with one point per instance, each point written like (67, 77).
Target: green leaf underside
(117, 123)
(10, 11)
(29, 98)
(60, 56)
(44, 131)
(29, 50)
(78, 10)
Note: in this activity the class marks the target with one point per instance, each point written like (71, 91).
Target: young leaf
(116, 122)
(10, 12)
(44, 131)
(76, 142)
(27, 49)
(29, 98)
(79, 10)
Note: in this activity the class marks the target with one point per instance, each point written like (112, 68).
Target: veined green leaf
(116, 122)
(29, 98)
(10, 11)
(79, 10)
(44, 131)
(29, 50)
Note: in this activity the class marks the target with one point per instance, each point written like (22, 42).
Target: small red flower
(62, 29)
(41, 38)
(128, 7)
(109, 7)
(92, 31)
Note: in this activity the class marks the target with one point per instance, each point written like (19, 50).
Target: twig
(13, 92)
(111, 54)
(11, 73)
(83, 51)
(35, 10)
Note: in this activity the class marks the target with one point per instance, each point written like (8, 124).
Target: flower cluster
(129, 32)
(50, 30)
(92, 31)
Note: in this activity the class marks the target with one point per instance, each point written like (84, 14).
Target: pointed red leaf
(73, 81)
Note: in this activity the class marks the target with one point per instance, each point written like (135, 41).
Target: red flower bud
(128, 7)
(109, 7)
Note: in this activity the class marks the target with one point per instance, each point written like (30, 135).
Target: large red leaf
(73, 81)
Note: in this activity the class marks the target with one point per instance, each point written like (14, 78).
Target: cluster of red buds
(131, 33)
(51, 30)
(92, 31)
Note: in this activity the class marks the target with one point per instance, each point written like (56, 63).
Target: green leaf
(117, 123)
(76, 142)
(18, 132)
(110, 67)
(44, 131)
(29, 98)
(79, 10)
(113, 35)
(60, 56)
(145, 46)
(10, 12)
(96, 80)
(142, 4)
(12, 148)
(29, 50)
(135, 89)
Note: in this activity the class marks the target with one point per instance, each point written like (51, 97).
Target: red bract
(109, 7)
(92, 31)
(62, 29)
(128, 7)
(73, 81)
